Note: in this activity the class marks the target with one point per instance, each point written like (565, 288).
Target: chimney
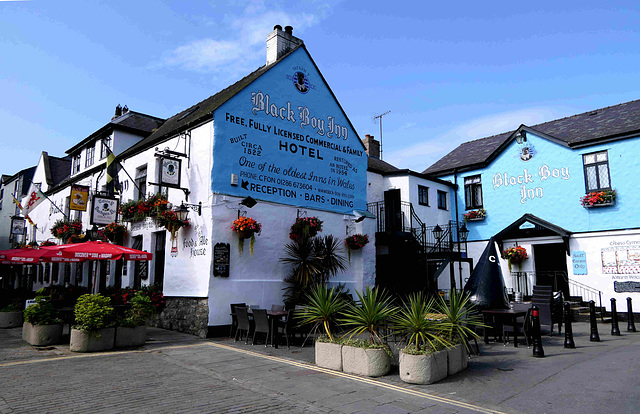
(372, 146)
(118, 112)
(280, 43)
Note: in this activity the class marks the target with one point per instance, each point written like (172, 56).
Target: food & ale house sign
(285, 151)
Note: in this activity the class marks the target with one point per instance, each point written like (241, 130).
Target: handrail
(584, 288)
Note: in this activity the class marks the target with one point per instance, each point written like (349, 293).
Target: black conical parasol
(486, 284)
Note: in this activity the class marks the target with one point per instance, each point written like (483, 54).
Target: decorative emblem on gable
(526, 152)
(300, 80)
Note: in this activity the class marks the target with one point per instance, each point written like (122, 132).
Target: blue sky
(447, 72)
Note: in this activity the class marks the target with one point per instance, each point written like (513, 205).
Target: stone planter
(368, 362)
(423, 369)
(457, 359)
(41, 335)
(102, 340)
(329, 355)
(10, 319)
(130, 337)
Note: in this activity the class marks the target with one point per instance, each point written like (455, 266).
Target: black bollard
(615, 329)
(568, 330)
(631, 326)
(594, 325)
(538, 352)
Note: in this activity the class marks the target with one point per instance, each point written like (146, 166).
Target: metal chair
(244, 323)
(277, 308)
(234, 318)
(287, 326)
(261, 325)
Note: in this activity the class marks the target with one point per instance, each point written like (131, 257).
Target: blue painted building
(565, 191)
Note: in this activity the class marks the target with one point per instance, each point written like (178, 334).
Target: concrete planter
(457, 359)
(41, 335)
(423, 369)
(102, 340)
(365, 361)
(329, 355)
(130, 337)
(10, 319)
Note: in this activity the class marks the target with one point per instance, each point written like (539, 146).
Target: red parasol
(43, 254)
(97, 250)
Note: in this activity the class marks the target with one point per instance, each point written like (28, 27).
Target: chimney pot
(277, 27)
(288, 30)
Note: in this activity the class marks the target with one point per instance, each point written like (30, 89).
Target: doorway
(158, 256)
(551, 266)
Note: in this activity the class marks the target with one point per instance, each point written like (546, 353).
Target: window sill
(609, 204)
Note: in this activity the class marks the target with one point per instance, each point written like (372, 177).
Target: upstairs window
(423, 195)
(442, 200)
(473, 192)
(88, 161)
(76, 164)
(596, 171)
(105, 147)
(141, 182)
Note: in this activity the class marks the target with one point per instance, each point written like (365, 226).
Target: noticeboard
(221, 259)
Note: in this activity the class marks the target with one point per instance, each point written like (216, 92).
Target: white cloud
(420, 156)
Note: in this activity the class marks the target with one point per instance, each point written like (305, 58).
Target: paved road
(177, 373)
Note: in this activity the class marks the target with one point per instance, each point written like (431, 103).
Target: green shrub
(12, 307)
(141, 309)
(93, 312)
(41, 313)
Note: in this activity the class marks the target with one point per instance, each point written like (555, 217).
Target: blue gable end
(286, 139)
(547, 179)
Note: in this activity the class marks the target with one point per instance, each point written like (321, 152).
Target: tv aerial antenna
(375, 118)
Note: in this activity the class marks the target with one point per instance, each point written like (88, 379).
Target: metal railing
(582, 290)
(520, 283)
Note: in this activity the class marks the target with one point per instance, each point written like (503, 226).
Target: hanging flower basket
(169, 220)
(515, 255)
(355, 242)
(599, 199)
(305, 227)
(115, 232)
(246, 228)
(63, 229)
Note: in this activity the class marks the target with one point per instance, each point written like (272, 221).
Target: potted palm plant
(370, 357)
(424, 359)
(94, 329)
(322, 308)
(458, 323)
(41, 324)
(11, 316)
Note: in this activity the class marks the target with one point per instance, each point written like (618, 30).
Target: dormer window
(88, 161)
(75, 167)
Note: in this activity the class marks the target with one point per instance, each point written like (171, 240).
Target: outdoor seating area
(261, 324)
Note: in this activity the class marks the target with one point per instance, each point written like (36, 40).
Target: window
(596, 171)
(105, 147)
(88, 162)
(141, 182)
(423, 195)
(76, 164)
(442, 200)
(473, 192)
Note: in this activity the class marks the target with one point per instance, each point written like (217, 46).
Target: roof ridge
(586, 113)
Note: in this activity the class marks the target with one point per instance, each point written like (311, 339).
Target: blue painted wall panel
(287, 140)
(549, 185)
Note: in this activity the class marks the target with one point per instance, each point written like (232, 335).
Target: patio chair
(277, 308)
(244, 323)
(550, 305)
(287, 326)
(523, 324)
(234, 318)
(261, 325)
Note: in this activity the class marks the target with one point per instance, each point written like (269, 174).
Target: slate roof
(135, 122)
(27, 175)
(376, 165)
(59, 169)
(606, 124)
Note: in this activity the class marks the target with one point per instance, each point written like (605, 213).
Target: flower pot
(41, 335)
(605, 204)
(329, 355)
(10, 319)
(102, 340)
(423, 369)
(457, 359)
(130, 337)
(476, 219)
(369, 362)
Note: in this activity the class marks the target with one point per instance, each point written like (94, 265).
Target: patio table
(499, 317)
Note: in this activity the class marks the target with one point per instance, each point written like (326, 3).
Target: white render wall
(258, 280)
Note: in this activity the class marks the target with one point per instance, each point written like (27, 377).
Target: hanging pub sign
(221, 259)
(18, 226)
(79, 197)
(170, 171)
(104, 210)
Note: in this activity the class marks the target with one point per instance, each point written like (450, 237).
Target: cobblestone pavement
(177, 373)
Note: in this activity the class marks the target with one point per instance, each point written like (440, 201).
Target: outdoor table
(502, 316)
